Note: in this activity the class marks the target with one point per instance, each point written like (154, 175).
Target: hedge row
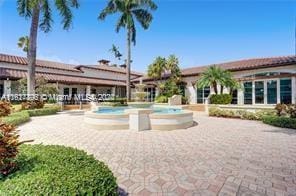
(23, 116)
(280, 121)
(58, 170)
(43, 111)
(242, 114)
(220, 99)
(17, 118)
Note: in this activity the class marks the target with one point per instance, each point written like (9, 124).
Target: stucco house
(69, 79)
(265, 81)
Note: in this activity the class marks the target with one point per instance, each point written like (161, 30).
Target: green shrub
(220, 99)
(17, 118)
(161, 99)
(214, 111)
(58, 170)
(243, 114)
(43, 111)
(23, 116)
(280, 121)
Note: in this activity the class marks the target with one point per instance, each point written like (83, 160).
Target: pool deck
(216, 157)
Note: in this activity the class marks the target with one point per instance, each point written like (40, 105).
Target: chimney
(103, 62)
(123, 66)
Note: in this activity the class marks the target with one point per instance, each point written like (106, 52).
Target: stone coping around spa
(139, 111)
(173, 115)
(93, 114)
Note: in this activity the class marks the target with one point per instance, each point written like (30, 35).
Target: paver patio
(216, 157)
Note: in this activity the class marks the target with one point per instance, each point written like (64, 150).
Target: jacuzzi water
(121, 110)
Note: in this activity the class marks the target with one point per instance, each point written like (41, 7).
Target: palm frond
(46, 18)
(121, 23)
(24, 8)
(23, 42)
(133, 32)
(74, 3)
(111, 8)
(144, 4)
(143, 17)
(65, 12)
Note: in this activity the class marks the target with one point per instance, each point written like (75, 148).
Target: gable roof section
(246, 64)
(40, 63)
(109, 68)
(17, 74)
(62, 66)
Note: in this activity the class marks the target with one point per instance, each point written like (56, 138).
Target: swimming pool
(156, 118)
(121, 110)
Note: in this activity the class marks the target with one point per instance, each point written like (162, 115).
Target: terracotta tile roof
(109, 68)
(246, 64)
(41, 63)
(17, 74)
(62, 66)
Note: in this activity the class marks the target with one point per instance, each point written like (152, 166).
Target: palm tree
(211, 77)
(23, 43)
(130, 10)
(214, 75)
(172, 66)
(40, 13)
(157, 68)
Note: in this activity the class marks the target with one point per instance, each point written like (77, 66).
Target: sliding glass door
(271, 92)
(286, 91)
(248, 95)
(202, 94)
(259, 92)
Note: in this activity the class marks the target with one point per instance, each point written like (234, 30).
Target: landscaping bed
(241, 114)
(282, 116)
(19, 117)
(57, 170)
(280, 121)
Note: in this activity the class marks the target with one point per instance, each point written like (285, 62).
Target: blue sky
(198, 32)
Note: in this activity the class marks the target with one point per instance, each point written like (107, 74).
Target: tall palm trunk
(221, 89)
(128, 65)
(32, 51)
(215, 88)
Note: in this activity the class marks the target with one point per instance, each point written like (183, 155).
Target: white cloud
(49, 58)
(73, 61)
(56, 58)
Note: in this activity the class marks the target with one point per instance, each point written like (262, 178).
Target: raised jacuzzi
(182, 120)
(156, 118)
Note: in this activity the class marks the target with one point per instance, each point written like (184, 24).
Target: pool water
(121, 110)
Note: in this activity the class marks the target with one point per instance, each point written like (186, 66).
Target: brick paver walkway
(216, 157)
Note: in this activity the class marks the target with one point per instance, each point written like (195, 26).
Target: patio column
(7, 87)
(240, 96)
(113, 91)
(88, 87)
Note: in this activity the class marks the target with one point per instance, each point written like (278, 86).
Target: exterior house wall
(190, 90)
